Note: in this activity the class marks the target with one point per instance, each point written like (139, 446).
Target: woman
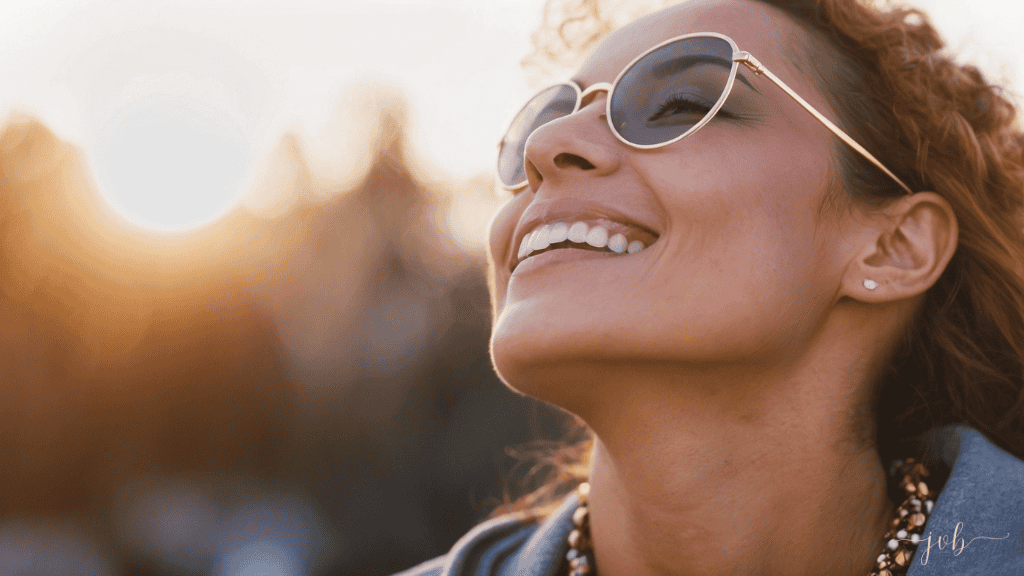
(768, 321)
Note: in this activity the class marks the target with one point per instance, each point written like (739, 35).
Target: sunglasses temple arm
(750, 62)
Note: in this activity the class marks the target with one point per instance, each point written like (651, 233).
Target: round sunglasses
(661, 97)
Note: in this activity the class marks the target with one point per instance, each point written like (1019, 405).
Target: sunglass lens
(668, 92)
(550, 104)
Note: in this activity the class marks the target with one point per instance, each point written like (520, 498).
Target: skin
(726, 369)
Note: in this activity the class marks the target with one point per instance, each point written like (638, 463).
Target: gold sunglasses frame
(738, 57)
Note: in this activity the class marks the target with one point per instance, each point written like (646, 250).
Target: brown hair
(940, 126)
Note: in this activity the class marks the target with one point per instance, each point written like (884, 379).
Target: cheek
(744, 248)
(783, 270)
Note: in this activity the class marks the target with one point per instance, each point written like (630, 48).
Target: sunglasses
(661, 97)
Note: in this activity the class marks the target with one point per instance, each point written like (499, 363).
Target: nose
(578, 145)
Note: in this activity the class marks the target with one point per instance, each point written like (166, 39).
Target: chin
(535, 352)
(532, 365)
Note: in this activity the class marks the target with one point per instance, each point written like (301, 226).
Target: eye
(679, 108)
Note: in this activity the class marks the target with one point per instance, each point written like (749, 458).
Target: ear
(908, 247)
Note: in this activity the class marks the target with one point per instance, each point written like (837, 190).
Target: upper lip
(568, 208)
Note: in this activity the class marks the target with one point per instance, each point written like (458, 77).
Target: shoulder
(978, 524)
(506, 546)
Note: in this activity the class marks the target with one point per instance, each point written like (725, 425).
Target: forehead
(757, 28)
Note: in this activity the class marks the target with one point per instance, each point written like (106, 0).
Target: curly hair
(940, 126)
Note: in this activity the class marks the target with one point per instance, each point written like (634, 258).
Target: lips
(579, 227)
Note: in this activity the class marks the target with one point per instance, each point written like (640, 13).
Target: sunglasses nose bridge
(592, 90)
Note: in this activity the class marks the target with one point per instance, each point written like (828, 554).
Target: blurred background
(243, 306)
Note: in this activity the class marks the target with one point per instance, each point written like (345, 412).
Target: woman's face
(742, 265)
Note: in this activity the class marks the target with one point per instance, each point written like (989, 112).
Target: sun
(171, 164)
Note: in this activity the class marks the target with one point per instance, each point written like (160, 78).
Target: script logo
(955, 542)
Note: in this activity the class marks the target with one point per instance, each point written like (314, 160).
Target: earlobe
(909, 245)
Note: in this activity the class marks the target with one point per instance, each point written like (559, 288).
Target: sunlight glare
(170, 164)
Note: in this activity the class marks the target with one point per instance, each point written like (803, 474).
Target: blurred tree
(336, 352)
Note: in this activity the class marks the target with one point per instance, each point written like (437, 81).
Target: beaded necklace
(901, 539)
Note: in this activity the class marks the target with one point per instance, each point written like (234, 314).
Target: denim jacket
(975, 529)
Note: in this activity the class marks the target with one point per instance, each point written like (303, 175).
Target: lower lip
(562, 256)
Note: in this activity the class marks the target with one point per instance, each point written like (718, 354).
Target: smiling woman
(770, 253)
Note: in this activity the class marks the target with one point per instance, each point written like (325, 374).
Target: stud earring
(870, 284)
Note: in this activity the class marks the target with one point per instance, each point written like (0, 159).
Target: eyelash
(679, 102)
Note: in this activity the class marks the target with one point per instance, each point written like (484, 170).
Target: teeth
(559, 233)
(597, 237)
(617, 243)
(539, 239)
(578, 233)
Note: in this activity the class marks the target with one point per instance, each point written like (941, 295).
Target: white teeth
(578, 233)
(539, 239)
(559, 233)
(617, 243)
(597, 237)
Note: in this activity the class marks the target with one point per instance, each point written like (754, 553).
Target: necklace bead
(900, 541)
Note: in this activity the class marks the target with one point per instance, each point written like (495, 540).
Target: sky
(175, 102)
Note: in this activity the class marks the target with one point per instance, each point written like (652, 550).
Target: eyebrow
(680, 63)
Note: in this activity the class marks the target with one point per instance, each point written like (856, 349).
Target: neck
(728, 480)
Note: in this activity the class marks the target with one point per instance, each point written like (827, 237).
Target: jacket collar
(977, 526)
